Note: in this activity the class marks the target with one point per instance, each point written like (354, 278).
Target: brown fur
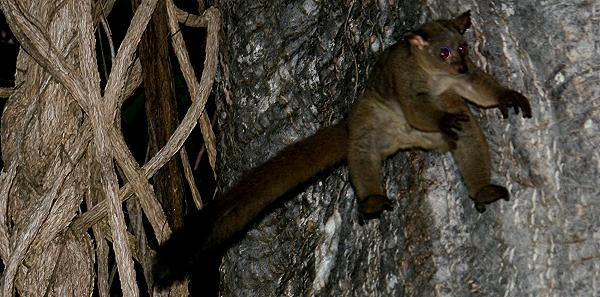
(262, 186)
(215, 226)
(414, 99)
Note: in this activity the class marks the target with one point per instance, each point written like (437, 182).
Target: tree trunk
(290, 68)
(161, 111)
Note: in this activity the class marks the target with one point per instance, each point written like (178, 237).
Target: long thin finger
(526, 109)
(504, 111)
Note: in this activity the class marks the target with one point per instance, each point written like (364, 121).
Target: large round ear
(463, 22)
(416, 40)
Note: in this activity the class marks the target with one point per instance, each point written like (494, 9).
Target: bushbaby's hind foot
(489, 194)
(372, 207)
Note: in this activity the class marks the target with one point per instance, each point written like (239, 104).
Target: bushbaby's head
(440, 47)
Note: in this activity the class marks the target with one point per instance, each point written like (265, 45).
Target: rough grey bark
(290, 68)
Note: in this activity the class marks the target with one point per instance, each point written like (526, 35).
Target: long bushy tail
(209, 230)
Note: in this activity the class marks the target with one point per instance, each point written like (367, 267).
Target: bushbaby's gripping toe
(489, 194)
(372, 206)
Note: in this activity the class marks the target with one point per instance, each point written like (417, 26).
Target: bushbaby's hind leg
(472, 157)
(365, 162)
(371, 142)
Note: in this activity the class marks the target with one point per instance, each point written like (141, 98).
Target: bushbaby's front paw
(372, 206)
(514, 99)
(450, 124)
(489, 194)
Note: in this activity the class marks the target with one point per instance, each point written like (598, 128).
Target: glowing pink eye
(445, 53)
(463, 49)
